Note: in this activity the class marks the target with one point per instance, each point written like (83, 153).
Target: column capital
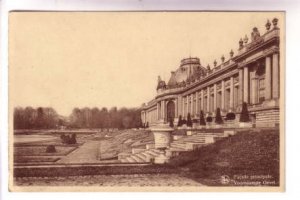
(270, 51)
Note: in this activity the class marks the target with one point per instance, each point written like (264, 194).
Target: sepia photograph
(146, 101)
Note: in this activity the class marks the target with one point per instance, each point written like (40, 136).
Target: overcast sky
(67, 60)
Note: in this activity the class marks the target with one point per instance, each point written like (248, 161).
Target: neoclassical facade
(251, 76)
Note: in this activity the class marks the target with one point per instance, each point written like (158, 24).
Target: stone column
(176, 108)
(223, 95)
(275, 77)
(202, 100)
(192, 104)
(240, 87)
(197, 102)
(246, 85)
(268, 85)
(179, 105)
(157, 111)
(231, 94)
(143, 116)
(163, 110)
(183, 107)
(254, 90)
(215, 97)
(208, 99)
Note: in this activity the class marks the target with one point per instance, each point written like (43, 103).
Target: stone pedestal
(162, 136)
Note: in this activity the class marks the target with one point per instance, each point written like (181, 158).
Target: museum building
(251, 76)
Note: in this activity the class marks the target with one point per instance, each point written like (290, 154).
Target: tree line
(35, 118)
(47, 118)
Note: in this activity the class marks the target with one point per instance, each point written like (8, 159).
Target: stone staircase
(182, 143)
(188, 143)
(141, 157)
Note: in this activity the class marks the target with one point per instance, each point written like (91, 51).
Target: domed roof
(187, 68)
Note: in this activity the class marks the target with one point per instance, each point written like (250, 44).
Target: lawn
(250, 157)
(41, 151)
(29, 159)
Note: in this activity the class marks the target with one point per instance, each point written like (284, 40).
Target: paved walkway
(87, 153)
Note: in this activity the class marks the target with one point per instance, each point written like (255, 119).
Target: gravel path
(110, 180)
(87, 153)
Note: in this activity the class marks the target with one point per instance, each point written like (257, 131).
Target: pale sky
(96, 59)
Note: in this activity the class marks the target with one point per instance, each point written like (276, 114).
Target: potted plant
(218, 119)
(202, 120)
(230, 119)
(244, 117)
(189, 122)
(209, 120)
(179, 124)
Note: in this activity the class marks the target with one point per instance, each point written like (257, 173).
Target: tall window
(199, 106)
(227, 99)
(211, 103)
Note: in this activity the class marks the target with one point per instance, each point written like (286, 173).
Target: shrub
(73, 139)
(189, 120)
(230, 116)
(179, 121)
(195, 121)
(65, 139)
(209, 119)
(183, 122)
(218, 118)
(50, 149)
(202, 120)
(244, 114)
(62, 136)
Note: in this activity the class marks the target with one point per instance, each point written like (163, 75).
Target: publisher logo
(225, 179)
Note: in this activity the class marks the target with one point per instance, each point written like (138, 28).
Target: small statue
(246, 39)
(241, 43)
(255, 34)
(222, 58)
(268, 25)
(160, 84)
(231, 53)
(208, 67)
(275, 21)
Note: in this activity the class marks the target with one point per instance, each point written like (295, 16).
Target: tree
(73, 139)
(244, 114)
(202, 120)
(209, 119)
(218, 119)
(179, 121)
(230, 116)
(40, 119)
(50, 149)
(189, 122)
